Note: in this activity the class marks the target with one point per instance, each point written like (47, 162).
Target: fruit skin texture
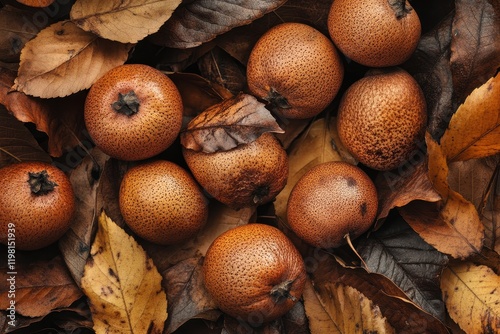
(296, 68)
(40, 218)
(142, 134)
(370, 32)
(329, 201)
(248, 175)
(244, 268)
(382, 117)
(162, 203)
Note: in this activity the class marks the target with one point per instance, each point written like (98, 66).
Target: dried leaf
(122, 284)
(126, 22)
(319, 320)
(490, 216)
(475, 48)
(187, 295)
(317, 145)
(234, 121)
(40, 287)
(398, 253)
(16, 141)
(472, 297)
(461, 141)
(64, 59)
(197, 22)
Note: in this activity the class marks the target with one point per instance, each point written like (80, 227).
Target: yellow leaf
(474, 130)
(122, 21)
(319, 320)
(472, 297)
(122, 284)
(64, 59)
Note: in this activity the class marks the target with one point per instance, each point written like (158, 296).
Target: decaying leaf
(123, 284)
(490, 215)
(122, 21)
(63, 59)
(40, 287)
(474, 130)
(223, 126)
(472, 296)
(400, 254)
(319, 320)
(197, 22)
(16, 141)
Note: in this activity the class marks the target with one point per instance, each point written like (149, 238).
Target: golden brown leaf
(123, 284)
(319, 319)
(232, 122)
(472, 297)
(63, 59)
(474, 129)
(122, 21)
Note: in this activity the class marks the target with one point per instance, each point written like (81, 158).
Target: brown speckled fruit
(376, 33)
(254, 273)
(37, 204)
(133, 112)
(248, 175)
(329, 201)
(162, 203)
(296, 69)
(382, 117)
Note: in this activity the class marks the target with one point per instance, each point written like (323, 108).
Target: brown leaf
(475, 47)
(64, 59)
(490, 216)
(234, 121)
(126, 22)
(38, 287)
(474, 130)
(197, 22)
(16, 141)
(187, 295)
(319, 319)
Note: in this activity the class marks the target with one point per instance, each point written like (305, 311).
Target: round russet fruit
(247, 175)
(37, 204)
(162, 203)
(329, 201)
(133, 112)
(382, 117)
(375, 33)
(254, 273)
(296, 69)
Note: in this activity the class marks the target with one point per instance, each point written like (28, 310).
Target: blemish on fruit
(351, 182)
(363, 208)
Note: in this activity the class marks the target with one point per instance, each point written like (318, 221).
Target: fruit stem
(40, 183)
(277, 100)
(127, 104)
(281, 291)
(399, 7)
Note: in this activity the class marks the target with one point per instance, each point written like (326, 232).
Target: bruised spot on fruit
(363, 208)
(127, 104)
(351, 182)
(40, 183)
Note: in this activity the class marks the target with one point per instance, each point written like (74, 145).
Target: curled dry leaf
(123, 284)
(223, 126)
(472, 297)
(64, 59)
(122, 21)
(197, 22)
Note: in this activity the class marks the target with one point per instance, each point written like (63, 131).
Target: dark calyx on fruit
(127, 104)
(281, 292)
(39, 183)
(277, 100)
(400, 8)
(260, 194)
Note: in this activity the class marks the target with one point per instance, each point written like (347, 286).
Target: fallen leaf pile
(429, 264)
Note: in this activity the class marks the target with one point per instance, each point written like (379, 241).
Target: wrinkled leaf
(398, 253)
(187, 295)
(234, 121)
(319, 320)
(122, 284)
(64, 59)
(126, 22)
(472, 297)
(475, 47)
(316, 145)
(40, 287)
(197, 22)
(461, 141)
(16, 141)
